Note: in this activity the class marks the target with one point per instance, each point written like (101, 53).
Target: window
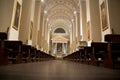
(59, 30)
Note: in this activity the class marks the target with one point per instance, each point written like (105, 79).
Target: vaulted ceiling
(60, 13)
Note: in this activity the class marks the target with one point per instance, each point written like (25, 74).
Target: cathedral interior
(59, 39)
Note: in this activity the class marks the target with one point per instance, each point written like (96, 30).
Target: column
(56, 48)
(41, 20)
(38, 34)
(36, 24)
(83, 20)
(48, 39)
(43, 32)
(95, 20)
(76, 31)
(65, 48)
(74, 36)
(41, 28)
(78, 25)
(25, 23)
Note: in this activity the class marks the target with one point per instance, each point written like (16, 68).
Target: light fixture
(42, 0)
(75, 12)
(47, 19)
(45, 12)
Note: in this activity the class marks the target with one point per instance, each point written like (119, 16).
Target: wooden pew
(26, 53)
(3, 36)
(3, 54)
(78, 56)
(33, 54)
(13, 49)
(98, 50)
(112, 57)
(38, 55)
(88, 53)
(75, 56)
(49, 57)
(67, 57)
(43, 56)
(82, 55)
(82, 44)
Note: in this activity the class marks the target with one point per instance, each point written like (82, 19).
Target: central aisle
(56, 70)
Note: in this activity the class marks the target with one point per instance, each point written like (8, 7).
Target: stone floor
(57, 70)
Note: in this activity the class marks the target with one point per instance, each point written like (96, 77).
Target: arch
(59, 30)
(60, 26)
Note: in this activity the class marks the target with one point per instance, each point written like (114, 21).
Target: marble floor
(57, 70)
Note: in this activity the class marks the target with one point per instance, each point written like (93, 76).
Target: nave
(57, 70)
(85, 33)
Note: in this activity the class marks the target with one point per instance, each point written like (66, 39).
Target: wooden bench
(67, 57)
(33, 54)
(48, 56)
(13, 49)
(3, 54)
(112, 57)
(75, 56)
(43, 56)
(82, 44)
(98, 51)
(38, 55)
(88, 53)
(3, 36)
(82, 55)
(26, 53)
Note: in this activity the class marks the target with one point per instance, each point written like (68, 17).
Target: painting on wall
(103, 12)
(17, 16)
(88, 30)
(31, 28)
(59, 47)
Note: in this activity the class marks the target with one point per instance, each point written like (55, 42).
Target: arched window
(59, 30)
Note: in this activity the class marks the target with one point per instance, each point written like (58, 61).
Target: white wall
(114, 15)
(6, 8)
